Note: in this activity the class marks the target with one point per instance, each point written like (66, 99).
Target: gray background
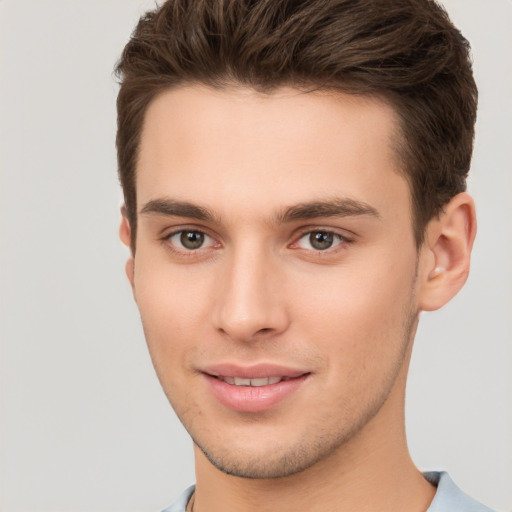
(85, 426)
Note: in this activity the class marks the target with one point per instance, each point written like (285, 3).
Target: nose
(250, 297)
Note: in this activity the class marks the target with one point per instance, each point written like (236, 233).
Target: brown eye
(191, 239)
(320, 240)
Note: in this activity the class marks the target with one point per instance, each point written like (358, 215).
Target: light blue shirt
(448, 497)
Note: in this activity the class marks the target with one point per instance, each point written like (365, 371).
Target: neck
(373, 472)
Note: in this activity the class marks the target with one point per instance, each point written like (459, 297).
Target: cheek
(172, 310)
(172, 305)
(359, 315)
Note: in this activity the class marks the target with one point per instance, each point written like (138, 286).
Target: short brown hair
(406, 52)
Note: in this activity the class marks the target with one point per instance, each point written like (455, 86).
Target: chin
(244, 465)
(275, 461)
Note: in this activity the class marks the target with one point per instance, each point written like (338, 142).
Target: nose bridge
(249, 302)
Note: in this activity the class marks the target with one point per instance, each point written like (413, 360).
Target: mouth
(256, 388)
(255, 382)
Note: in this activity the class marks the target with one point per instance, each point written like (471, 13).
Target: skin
(257, 175)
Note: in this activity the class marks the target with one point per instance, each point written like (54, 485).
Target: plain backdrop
(85, 426)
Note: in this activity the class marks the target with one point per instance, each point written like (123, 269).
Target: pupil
(321, 240)
(192, 239)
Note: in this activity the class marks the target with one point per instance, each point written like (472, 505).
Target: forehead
(238, 147)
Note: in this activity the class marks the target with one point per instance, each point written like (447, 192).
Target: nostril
(265, 329)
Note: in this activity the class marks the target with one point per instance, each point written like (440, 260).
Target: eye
(190, 240)
(320, 240)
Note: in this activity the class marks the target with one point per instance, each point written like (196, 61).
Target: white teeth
(259, 382)
(242, 382)
(262, 381)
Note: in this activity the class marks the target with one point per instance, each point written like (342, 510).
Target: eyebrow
(337, 207)
(173, 208)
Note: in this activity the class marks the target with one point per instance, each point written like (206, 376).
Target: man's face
(275, 271)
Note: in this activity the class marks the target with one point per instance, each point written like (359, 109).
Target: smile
(253, 389)
(257, 382)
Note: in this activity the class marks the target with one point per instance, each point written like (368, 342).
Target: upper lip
(254, 371)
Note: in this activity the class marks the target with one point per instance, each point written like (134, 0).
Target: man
(294, 183)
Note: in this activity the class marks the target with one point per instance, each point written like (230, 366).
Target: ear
(445, 254)
(125, 234)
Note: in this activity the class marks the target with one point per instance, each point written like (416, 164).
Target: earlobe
(125, 232)
(446, 252)
(125, 235)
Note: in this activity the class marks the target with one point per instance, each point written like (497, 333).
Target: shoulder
(449, 498)
(180, 504)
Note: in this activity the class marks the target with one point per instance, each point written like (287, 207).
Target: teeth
(259, 382)
(263, 381)
(242, 382)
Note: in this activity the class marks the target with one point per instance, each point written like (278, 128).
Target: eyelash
(183, 251)
(342, 240)
(339, 240)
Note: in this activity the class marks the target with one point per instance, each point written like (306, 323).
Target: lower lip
(253, 398)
